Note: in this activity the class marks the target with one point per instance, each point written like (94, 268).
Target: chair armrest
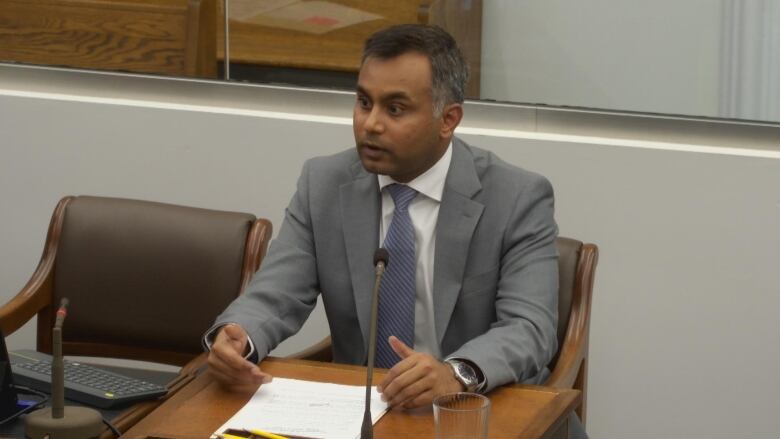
(37, 293)
(574, 351)
(567, 368)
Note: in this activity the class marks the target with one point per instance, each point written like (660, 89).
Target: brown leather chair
(145, 280)
(576, 271)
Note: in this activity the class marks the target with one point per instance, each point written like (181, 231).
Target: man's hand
(227, 363)
(417, 379)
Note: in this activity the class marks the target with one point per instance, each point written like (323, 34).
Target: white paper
(306, 408)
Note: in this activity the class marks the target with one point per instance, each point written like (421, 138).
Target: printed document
(307, 409)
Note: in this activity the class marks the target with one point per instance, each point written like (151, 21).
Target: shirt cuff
(208, 340)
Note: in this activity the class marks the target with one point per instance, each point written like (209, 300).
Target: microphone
(61, 421)
(62, 313)
(57, 364)
(381, 258)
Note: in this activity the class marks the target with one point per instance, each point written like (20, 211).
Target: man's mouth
(372, 150)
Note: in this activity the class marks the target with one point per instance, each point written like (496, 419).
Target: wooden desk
(202, 406)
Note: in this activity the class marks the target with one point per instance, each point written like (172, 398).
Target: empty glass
(461, 415)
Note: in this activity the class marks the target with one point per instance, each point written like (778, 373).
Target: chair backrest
(568, 257)
(576, 271)
(145, 279)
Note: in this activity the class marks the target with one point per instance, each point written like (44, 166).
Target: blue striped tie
(397, 293)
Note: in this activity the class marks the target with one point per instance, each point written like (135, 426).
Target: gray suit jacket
(495, 269)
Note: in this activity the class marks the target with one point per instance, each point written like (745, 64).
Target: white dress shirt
(424, 212)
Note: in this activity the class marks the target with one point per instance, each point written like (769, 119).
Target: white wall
(51, 149)
(685, 313)
(652, 56)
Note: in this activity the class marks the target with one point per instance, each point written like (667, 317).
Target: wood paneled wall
(173, 37)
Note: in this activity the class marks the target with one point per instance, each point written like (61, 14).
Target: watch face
(465, 375)
(467, 372)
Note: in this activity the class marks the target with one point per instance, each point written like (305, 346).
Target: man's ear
(450, 118)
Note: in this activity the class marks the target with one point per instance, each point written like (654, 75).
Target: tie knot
(402, 195)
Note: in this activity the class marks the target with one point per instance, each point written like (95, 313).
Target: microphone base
(78, 423)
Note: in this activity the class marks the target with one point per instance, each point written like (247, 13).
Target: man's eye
(363, 102)
(395, 110)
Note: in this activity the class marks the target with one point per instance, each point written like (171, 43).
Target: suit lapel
(361, 237)
(458, 217)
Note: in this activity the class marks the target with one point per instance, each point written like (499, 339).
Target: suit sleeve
(284, 291)
(523, 338)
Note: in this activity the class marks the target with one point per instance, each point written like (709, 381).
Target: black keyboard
(83, 383)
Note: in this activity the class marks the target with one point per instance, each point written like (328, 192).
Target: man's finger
(231, 383)
(251, 372)
(218, 364)
(396, 371)
(229, 377)
(423, 399)
(230, 358)
(230, 352)
(235, 332)
(400, 347)
(405, 373)
(265, 378)
(406, 386)
(232, 376)
(236, 336)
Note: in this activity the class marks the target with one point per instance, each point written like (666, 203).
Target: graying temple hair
(449, 71)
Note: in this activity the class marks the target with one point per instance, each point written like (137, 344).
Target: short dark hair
(449, 71)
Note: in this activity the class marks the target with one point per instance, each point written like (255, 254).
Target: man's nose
(373, 122)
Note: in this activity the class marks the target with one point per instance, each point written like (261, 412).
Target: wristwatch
(465, 374)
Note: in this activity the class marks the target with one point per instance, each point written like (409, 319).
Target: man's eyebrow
(398, 95)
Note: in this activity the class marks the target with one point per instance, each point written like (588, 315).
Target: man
(469, 299)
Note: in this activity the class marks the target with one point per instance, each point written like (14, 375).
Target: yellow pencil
(265, 434)
(230, 436)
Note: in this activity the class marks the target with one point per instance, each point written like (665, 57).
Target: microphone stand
(61, 421)
(380, 259)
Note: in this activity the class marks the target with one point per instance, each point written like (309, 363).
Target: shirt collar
(431, 182)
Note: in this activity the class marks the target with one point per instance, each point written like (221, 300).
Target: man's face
(396, 132)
